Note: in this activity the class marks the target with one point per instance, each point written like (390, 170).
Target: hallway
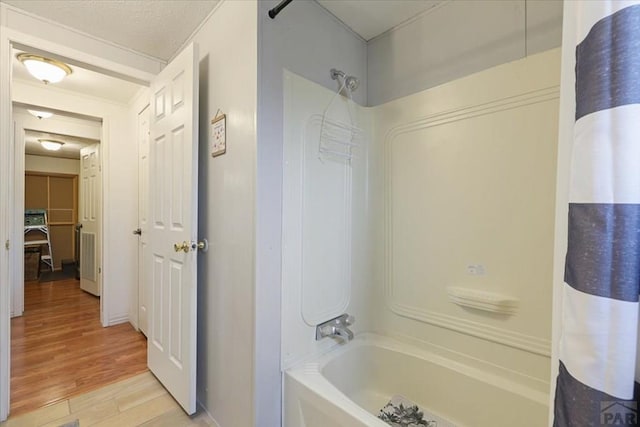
(59, 348)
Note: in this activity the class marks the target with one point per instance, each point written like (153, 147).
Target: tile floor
(137, 401)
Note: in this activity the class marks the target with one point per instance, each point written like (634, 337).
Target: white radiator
(88, 256)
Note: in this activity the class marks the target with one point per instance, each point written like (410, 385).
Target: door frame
(142, 279)
(8, 171)
(17, 279)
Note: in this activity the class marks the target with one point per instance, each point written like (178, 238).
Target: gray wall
(309, 41)
(226, 209)
(456, 39)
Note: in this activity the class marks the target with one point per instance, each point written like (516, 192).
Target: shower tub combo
(348, 386)
(326, 185)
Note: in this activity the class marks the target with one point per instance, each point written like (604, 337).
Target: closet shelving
(56, 194)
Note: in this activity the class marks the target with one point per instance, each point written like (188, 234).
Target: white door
(143, 220)
(90, 209)
(173, 191)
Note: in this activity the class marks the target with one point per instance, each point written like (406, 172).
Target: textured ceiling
(160, 27)
(155, 27)
(370, 18)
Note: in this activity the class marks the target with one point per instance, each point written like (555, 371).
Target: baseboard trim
(203, 409)
(117, 320)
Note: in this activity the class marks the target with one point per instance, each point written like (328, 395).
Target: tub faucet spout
(336, 328)
(343, 332)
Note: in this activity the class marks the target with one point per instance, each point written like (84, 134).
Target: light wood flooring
(137, 401)
(59, 349)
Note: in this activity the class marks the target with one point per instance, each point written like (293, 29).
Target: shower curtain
(597, 380)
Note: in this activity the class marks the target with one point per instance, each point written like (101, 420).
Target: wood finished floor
(59, 349)
(138, 401)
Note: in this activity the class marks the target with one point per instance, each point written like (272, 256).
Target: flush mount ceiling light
(40, 114)
(44, 69)
(50, 144)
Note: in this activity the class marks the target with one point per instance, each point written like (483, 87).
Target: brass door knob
(184, 247)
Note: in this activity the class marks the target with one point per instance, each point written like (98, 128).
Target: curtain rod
(276, 10)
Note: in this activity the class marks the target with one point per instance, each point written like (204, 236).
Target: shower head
(350, 82)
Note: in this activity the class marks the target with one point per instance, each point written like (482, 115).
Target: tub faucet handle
(336, 328)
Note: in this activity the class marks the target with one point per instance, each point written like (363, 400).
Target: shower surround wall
(469, 185)
(454, 187)
(327, 219)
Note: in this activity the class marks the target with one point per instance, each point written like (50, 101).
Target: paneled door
(173, 154)
(90, 210)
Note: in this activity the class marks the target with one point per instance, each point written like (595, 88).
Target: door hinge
(7, 244)
(99, 270)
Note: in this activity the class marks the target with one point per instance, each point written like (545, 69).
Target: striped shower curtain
(597, 381)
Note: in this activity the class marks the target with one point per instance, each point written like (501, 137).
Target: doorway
(71, 336)
(58, 197)
(105, 104)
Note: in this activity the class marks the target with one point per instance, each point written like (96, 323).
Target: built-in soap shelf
(483, 300)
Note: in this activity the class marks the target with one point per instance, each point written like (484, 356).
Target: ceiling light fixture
(40, 114)
(44, 69)
(51, 145)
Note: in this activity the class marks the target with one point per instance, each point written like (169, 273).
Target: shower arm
(276, 10)
(350, 82)
(335, 74)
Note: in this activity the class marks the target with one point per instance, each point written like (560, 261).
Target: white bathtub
(348, 386)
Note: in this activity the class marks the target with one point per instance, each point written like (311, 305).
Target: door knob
(184, 247)
(137, 231)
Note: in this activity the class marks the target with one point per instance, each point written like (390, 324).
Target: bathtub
(348, 386)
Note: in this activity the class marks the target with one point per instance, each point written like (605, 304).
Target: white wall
(51, 164)
(456, 39)
(120, 206)
(226, 292)
(307, 40)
